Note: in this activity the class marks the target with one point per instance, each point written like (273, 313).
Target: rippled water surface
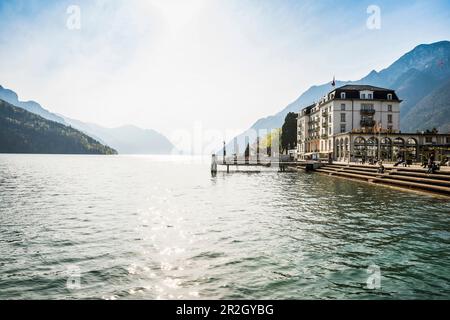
(162, 227)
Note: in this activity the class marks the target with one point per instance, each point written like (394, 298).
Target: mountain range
(419, 78)
(126, 139)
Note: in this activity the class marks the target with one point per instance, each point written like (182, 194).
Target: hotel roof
(358, 87)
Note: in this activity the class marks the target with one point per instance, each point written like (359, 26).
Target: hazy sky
(221, 64)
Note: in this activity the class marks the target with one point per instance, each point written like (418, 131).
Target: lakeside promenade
(391, 166)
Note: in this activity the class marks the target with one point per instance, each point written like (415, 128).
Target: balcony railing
(325, 136)
(367, 123)
(325, 124)
(368, 111)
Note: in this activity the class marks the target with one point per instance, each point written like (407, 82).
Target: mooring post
(224, 152)
(257, 150)
(236, 150)
(247, 151)
(213, 164)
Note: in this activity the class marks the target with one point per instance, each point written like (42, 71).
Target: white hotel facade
(356, 122)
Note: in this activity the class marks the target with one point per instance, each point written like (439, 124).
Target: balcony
(324, 136)
(367, 123)
(324, 124)
(368, 111)
(325, 113)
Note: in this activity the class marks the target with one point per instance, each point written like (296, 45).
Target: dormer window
(389, 96)
(366, 95)
(342, 95)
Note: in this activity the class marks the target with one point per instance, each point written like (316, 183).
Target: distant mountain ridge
(125, 139)
(414, 76)
(22, 131)
(31, 106)
(432, 111)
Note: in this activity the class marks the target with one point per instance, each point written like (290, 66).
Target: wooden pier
(269, 162)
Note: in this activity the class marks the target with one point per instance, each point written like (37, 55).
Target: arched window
(337, 149)
(360, 141)
(399, 142)
(386, 149)
(398, 148)
(360, 148)
(372, 148)
(372, 141)
(411, 149)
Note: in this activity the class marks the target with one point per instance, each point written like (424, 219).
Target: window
(342, 95)
(343, 107)
(390, 107)
(330, 120)
(342, 117)
(330, 132)
(370, 96)
(429, 139)
(389, 118)
(363, 96)
(389, 96)
(367, 107)
(447, 139)
(343, 128)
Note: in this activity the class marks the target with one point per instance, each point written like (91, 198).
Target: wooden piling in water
(213, 164)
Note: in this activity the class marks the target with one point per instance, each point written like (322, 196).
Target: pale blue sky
(169, 65)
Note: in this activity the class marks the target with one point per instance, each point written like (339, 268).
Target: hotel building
(357, 122)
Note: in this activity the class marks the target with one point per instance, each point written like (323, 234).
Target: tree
(434, 131)
(289, 132)
(266, 141)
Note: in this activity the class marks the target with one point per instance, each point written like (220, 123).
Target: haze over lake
(135, 227)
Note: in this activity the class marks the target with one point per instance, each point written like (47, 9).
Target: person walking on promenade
(400, 159)
(431, 167)
(424, 161)
(380, 167)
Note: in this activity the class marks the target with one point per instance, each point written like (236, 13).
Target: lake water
(76, 227)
